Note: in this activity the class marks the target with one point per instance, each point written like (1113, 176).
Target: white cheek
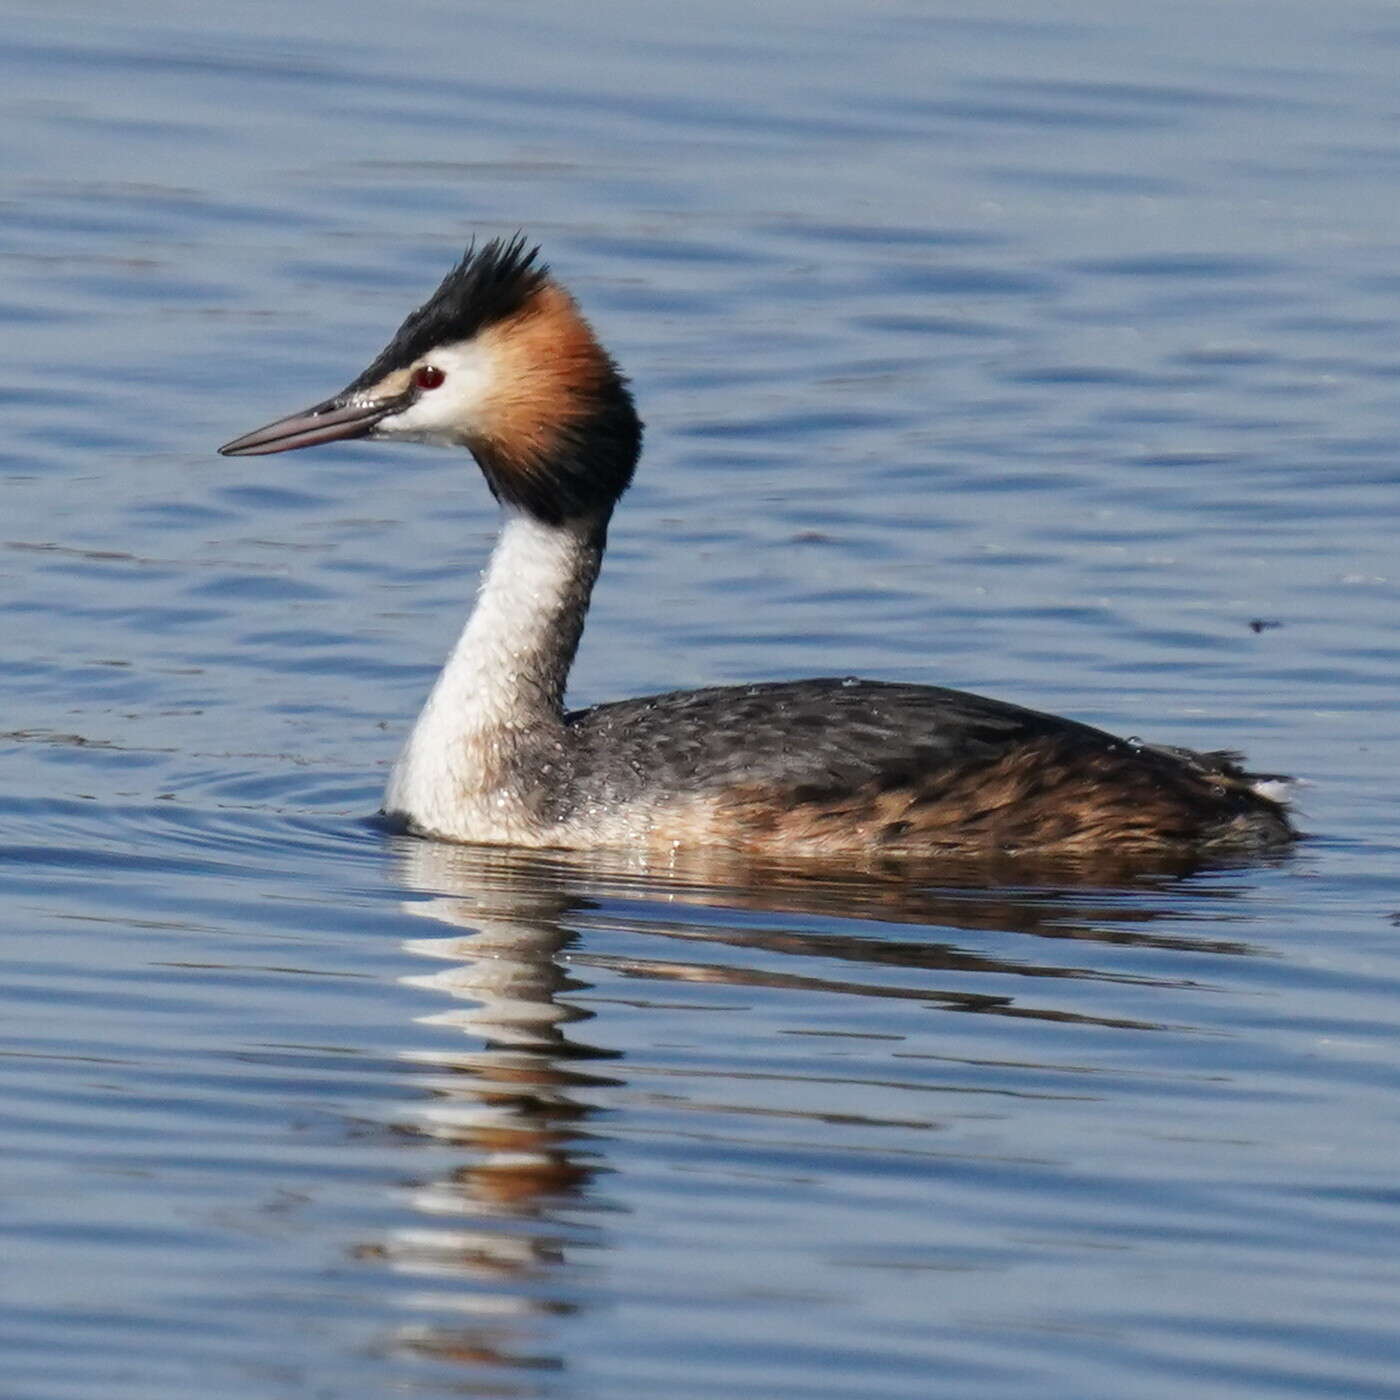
(449, 413)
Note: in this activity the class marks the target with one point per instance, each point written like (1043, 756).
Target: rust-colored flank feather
(501, 361)
(1042, 798)
(842, 766)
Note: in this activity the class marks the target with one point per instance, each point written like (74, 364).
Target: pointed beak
(332, 421)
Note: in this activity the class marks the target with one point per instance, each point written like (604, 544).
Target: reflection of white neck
(497, 921)
(502, 688)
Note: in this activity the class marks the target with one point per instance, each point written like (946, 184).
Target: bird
(500, 361)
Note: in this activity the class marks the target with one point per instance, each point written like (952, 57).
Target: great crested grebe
(500, 361)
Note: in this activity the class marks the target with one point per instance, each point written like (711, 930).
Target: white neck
(501, 693)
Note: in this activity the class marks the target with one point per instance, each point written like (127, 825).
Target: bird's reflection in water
(511, 1235)
(513, 1097)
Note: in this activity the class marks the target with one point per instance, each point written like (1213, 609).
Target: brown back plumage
(829, 766)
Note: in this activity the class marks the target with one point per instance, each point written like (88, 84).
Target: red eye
(427, 377)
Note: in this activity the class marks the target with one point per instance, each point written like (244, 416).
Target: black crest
(488, 285)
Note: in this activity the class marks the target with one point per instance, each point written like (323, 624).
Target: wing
(830, 765)
(811, 735)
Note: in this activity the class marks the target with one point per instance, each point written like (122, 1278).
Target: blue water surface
(1045, 350)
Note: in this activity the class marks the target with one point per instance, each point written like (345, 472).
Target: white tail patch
(1278, 790)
